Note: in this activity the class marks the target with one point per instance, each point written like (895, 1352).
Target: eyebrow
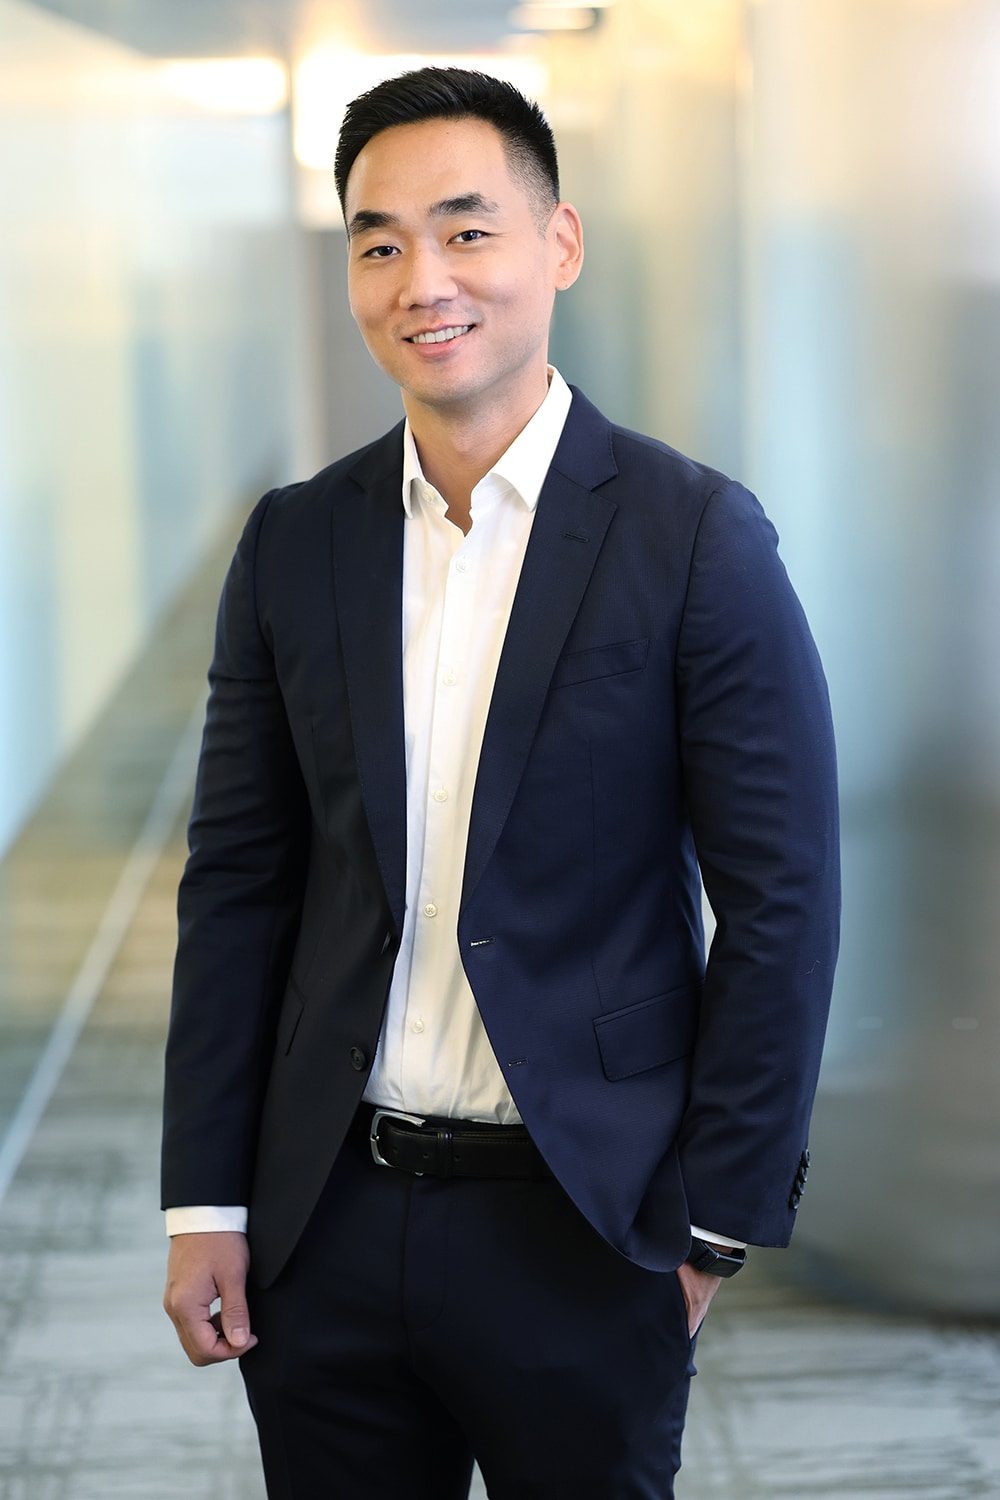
(464, 203)
(446, 208)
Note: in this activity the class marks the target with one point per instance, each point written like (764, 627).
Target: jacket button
(359, 1059)
(386, 942)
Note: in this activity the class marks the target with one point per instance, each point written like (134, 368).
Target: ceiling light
(228, 85)
(548, 17)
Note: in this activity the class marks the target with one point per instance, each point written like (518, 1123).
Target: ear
(566, 232)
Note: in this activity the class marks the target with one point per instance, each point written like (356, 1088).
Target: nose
(427, 279)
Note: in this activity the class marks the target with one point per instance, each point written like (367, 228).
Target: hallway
(796, 1397)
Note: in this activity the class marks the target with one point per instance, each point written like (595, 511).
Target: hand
(202, 1267)
(699, 1287)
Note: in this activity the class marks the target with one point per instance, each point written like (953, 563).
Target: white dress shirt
(433, 1055)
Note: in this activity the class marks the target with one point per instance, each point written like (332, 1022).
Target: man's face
(451, 277)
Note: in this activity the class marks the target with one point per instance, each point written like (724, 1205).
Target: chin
(444, 391)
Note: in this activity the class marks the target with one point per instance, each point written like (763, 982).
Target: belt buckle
(390, 1114)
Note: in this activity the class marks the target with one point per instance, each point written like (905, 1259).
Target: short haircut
(456, 94)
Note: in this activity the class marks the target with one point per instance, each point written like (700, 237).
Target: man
(485, 698)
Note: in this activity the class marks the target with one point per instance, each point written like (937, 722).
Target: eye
(471, 236)
(380, 252)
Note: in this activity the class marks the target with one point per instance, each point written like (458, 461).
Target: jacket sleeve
(760, 778)
(239, 906)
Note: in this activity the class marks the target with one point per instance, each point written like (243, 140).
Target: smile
(440, 335)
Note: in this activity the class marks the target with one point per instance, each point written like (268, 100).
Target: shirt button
(417, 1026)
(461, 565)
(430, 910)
(449, 679)
(441, 795)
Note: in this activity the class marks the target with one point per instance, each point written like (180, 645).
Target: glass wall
(792, 211)
(794, 223)
(144, 363)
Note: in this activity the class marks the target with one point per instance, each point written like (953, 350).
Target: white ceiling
(216, 28)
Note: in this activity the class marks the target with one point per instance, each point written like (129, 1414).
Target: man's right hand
(201, 1268)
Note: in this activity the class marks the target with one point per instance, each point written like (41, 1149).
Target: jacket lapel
(566, 537)
(367, 542)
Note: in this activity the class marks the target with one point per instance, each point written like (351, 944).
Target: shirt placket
(439, 887)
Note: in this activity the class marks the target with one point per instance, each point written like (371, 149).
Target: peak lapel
(367, 543)
(566, 538)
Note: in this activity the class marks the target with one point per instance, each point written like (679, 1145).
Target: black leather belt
(450, 1148)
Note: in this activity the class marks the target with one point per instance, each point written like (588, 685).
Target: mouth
(441, 335)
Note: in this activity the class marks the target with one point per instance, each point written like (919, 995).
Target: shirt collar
(524, 465)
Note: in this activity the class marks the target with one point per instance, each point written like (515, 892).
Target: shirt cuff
(718, 1239)
(205, 1220)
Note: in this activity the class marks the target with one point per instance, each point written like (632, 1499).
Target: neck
(457, 448)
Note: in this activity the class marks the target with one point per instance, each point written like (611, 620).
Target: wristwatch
(715, 1261)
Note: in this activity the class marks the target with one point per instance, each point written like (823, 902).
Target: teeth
(440, 335)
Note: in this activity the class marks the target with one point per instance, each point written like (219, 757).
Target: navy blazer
(659, 709)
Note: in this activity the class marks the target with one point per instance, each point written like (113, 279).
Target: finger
(205, 1344)
(234, 1315)
(238, 1349)
(201, 1335)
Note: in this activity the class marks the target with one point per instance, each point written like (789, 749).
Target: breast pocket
(600, 661)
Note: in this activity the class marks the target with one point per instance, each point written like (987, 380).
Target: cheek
(527, 307)
(361, 310)
(367, 306)
(531, 285)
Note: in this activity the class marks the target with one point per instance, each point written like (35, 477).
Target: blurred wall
(793, 216)
(874, 302)
(144, 364)
(648, 114)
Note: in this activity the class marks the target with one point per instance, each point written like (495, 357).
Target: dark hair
(455, 94)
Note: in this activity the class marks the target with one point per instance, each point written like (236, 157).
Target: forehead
(421, 164)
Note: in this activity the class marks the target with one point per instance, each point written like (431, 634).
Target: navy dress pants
(423, 1322)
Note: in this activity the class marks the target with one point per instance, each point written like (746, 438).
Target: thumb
(234, 1315)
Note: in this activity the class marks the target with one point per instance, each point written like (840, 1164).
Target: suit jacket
(659, 708)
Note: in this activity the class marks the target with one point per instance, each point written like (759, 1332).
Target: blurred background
(792, 211)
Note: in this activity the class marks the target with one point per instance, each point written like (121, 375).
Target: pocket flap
(647, 1035)
(601, 661)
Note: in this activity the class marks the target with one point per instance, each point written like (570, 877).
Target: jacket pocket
(647, 1035)
(600, 661)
